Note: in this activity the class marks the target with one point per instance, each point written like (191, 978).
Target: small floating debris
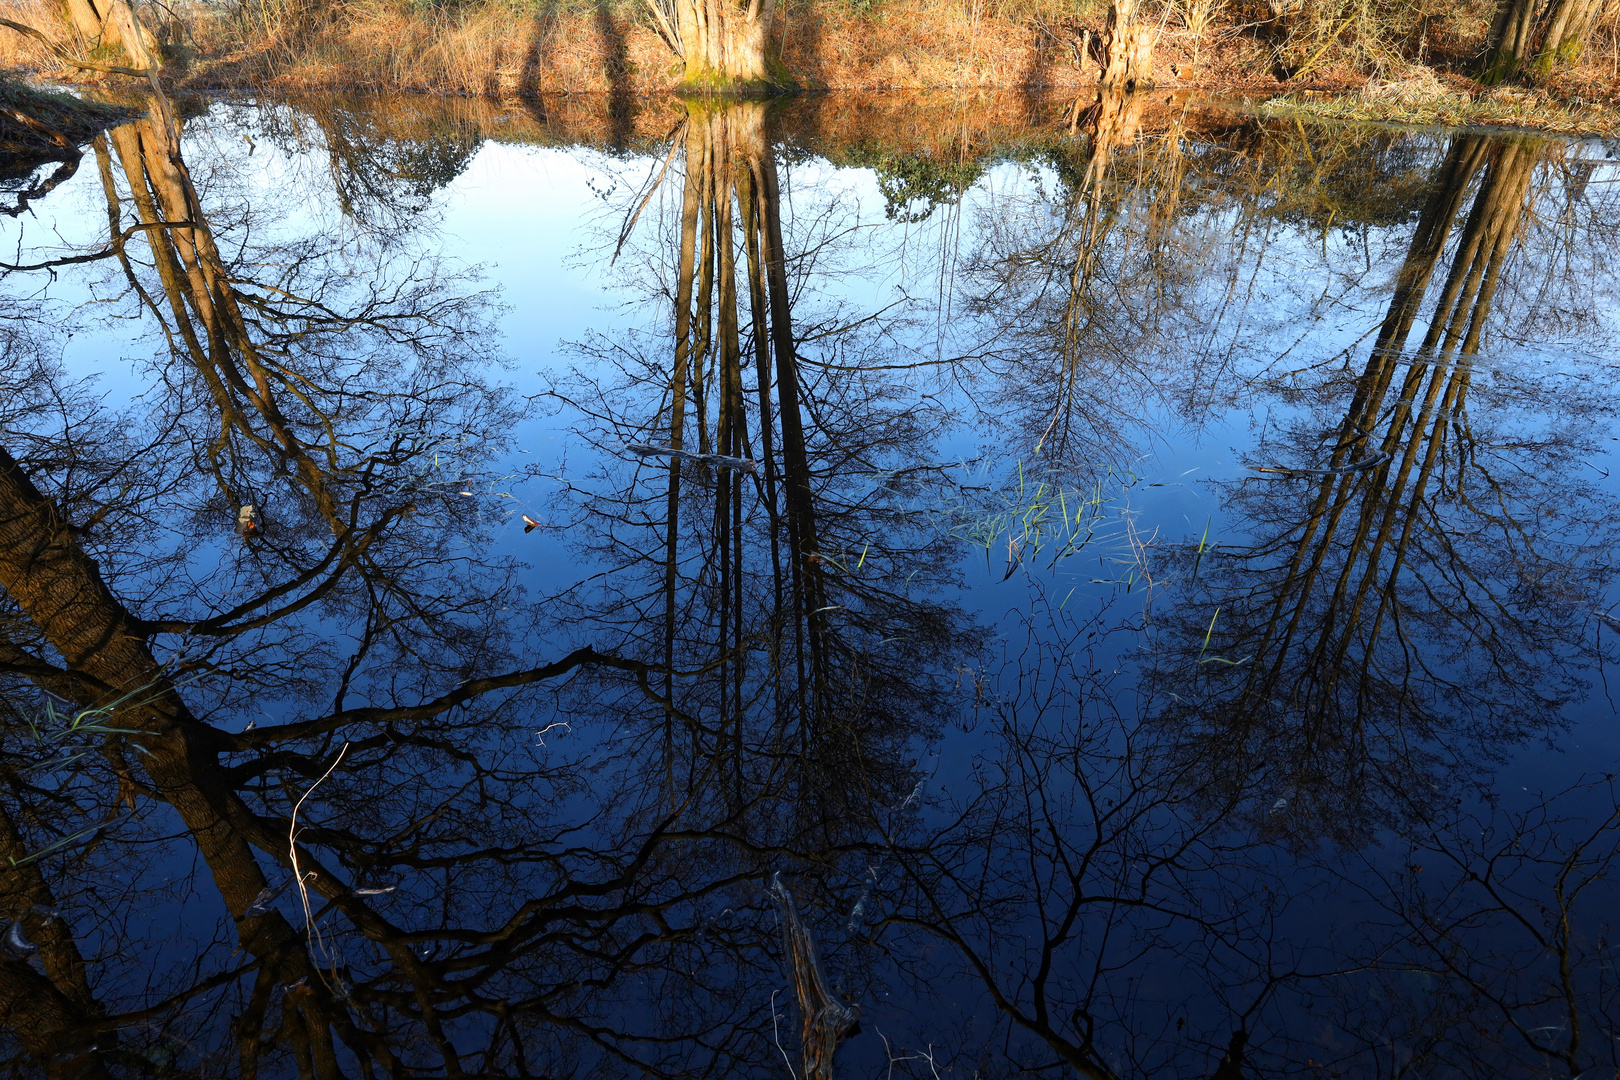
(1354, 467)
(529, 524)
(16, 946)
(719, 460)
(267, 896)
(247, 521)
(374, 884)
(1278, 807)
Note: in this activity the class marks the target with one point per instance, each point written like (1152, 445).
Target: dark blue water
(873, 587)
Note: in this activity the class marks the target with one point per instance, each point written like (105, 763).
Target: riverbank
(45, 125)
(506, 49)
(1423, 99)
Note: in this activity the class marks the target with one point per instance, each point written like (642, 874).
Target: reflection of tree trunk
(1110, 121)
(1538, 35)
(728, 157)
(201, 297)
(690, 209)
(45, 572)
(1383, 503)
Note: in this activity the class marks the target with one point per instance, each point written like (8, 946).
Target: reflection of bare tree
(1083, 898)
(795, 667)
(1411, 604)
(1083, 886)
(225, 342)
(274, 393)
(1488, 950)
(1421, 604)
(380, 180)
(1417, 588)
(1078, 291)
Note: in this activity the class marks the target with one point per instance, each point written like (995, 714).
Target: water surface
(865, 587)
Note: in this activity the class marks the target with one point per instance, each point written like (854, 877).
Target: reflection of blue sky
(1265, 297)
(1262, 298)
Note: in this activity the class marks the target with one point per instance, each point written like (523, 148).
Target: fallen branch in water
(1354, 467)
(720, 460)
(827, 1020)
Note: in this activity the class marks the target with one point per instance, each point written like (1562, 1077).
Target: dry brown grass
(18, 53)
(517, 48)
(1419, 97)
(498, 49)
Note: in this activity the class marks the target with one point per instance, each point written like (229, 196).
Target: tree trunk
(1536, 36)
(727, 47)
(113, 22)
(1127, 48)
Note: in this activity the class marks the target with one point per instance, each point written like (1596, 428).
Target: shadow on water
(305, 773)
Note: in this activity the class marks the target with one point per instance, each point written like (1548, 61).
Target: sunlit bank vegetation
(1417, 51)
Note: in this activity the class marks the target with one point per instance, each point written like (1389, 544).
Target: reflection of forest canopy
(1421, 568)
(1106, 876)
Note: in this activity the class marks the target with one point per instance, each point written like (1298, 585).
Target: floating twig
(718, 460)
(1354, 467)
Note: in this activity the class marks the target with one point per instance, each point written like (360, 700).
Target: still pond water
(864, 587)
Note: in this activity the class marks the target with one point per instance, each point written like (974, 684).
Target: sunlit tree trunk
(1536, 36)
(113, 22)
(1127, 47)
(726, 45)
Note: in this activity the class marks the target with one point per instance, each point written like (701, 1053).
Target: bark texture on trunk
(727, 47)
(1127, 48)
(1533, 37)
(113, 22)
